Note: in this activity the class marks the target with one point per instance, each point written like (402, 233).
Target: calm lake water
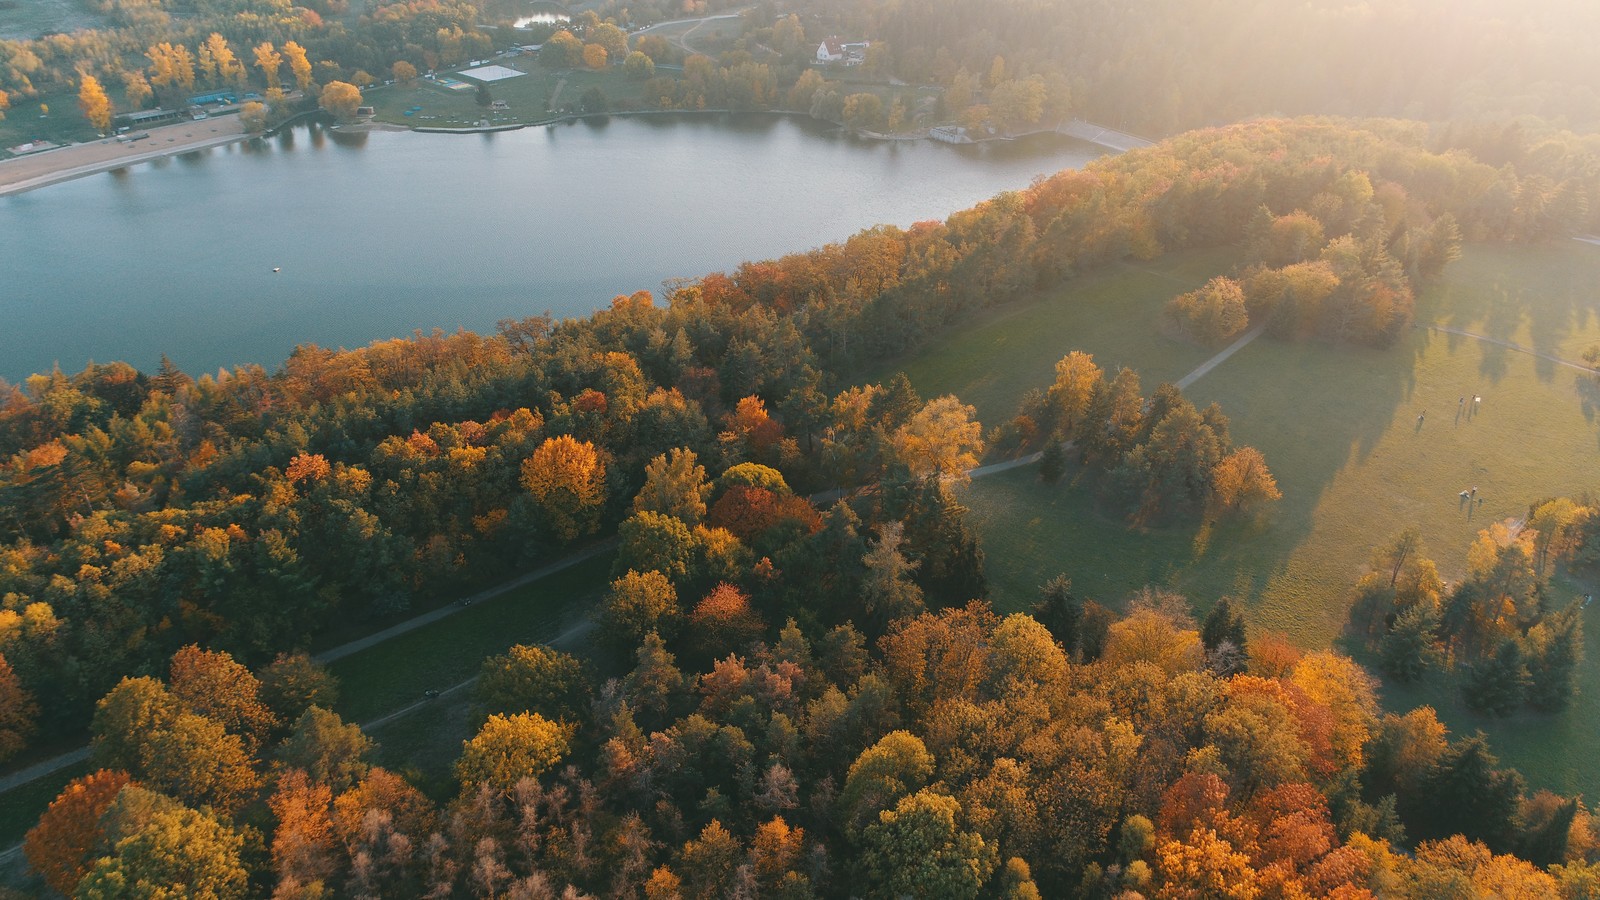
(378, 235)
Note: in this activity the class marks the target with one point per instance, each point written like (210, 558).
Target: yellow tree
(568, 480)
(942, 440)
(253, 116)
(404, 71)
(594, 56)
(162, 72)
(510, 748)
(182, 65)
(341, 98)
(1241, 479)
(268, 60)
(95, 104)
(137, 89)
(223, 64)
(298, 64)
(1077, 379)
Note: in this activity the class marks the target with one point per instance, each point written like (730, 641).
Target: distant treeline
(1168, 65)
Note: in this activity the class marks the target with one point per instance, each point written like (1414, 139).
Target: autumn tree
(95, 104)
(62, 846)
(942, 440)
(888, 593)
(304, 849)
(636, 605)
(136, 88)
(917, 849)
(534, 679)
(1069, 396)
(211, 684)
(404, 72)
(142, 729)
(1211, 315)
(340, 98)
(219, 63)
(723, 622)
(327, 749)
(567, 479)
(595, 56)
(269, 61)
(18, 712)
(293, 683)
(652, 542)
(638, 66)
(508, 749)
(253, 115)
(160, 848)
(675, 485)
(299, 65)
(1241, 480)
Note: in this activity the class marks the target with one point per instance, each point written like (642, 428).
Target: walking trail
(1185, 381)
(578, 630)
(57, 763)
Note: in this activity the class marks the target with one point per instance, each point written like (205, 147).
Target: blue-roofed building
(213, 97)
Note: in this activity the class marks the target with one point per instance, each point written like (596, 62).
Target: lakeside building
(148, 117)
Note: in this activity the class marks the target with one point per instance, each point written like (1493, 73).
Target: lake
(377, 235)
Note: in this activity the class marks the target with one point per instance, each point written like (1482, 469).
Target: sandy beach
(77, 160)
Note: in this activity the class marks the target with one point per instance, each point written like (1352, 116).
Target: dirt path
(682, 40)
(26, 173)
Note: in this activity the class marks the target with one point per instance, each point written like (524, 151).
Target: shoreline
(27, 173)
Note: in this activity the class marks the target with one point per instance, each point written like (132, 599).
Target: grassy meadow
(1339, 428)
(537, 96)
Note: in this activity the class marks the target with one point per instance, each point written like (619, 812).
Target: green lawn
(23, 20)
(396, 673)
(991, 361)
(528, 96)
(424, 744)
(1339, 429)
(20, 808)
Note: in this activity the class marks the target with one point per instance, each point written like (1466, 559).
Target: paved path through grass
(57, 763)
(1185, 381)
(570, 636)
(1217, 360)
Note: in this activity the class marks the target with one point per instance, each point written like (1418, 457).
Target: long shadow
(1497, 290)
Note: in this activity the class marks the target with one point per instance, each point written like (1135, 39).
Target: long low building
(147, 117)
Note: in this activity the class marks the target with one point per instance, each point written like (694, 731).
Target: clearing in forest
(1339, 427)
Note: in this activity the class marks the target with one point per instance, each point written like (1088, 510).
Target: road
(682, 40)
(25, 173)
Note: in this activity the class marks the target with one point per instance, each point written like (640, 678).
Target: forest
(788, 696)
